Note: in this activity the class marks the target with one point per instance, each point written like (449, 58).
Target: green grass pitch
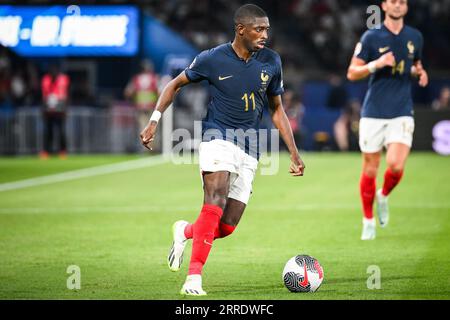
(117, 228)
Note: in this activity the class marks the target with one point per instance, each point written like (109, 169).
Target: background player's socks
(391, 179)
(367, 186)
(222, 231)
(203, 236)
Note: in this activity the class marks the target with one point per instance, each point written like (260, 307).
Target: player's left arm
(281, 122)
(417, 70)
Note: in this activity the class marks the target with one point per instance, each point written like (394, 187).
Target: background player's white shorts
(376, 133)
(221, 155)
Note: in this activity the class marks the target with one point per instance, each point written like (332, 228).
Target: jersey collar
(383, 26)
(235, 55)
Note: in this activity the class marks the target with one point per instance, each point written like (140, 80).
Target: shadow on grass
(364, 279)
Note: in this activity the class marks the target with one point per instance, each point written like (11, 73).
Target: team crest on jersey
(264, 80)
(411, 48)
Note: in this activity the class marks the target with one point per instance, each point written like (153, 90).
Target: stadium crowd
(315, 39)
(311, 36)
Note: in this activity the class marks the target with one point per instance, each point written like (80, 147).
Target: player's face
(395, 9)
(256, 34)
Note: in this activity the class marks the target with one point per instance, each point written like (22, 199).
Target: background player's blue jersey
(389, 93)
(238, 91)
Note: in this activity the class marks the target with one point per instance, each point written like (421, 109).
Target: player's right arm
(366, 58)
(360, 69)
(198, 70)
(165, 99)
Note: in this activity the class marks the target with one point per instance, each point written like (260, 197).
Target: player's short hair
(248, 13)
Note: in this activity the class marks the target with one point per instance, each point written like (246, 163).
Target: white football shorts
(220, 155)
(376, 133)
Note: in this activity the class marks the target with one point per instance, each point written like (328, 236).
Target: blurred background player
(390, 55)
(443, 102)
(346, 127)
(242, 74)
(295, 111)
(143, 91)
(55, 92)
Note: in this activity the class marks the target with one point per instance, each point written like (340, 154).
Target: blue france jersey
(389, 93)
(238, 91)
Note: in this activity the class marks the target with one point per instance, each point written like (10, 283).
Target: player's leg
(61, 123)
(183, 230)
(371, 163)
(398, 144)
(239, 195)
(341, 133)
(371, 139)
(48, 136)
(396, 156)
(216, 186)
(231, 215)
(214, 156)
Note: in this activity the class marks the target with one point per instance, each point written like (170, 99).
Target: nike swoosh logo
(223, 78)
(383, 50)
(206, 242)
(304, 283)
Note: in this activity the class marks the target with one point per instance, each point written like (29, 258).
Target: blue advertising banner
(56, 31)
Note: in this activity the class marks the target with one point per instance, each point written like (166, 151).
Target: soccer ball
(302, 273)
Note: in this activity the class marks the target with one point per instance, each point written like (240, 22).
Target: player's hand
(148, 134)
(297, 166)
(386, 60)
(423, 77)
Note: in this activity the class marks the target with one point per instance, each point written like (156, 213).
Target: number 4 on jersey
(399, 67)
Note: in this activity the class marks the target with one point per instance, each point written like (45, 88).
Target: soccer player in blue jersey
(391, 56)
(242, 75)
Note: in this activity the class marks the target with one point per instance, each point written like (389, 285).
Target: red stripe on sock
(223, 230)
(203, 236)
(391, 179)
(367, 187)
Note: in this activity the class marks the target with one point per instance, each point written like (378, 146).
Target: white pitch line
(84, 173)
(196, 209)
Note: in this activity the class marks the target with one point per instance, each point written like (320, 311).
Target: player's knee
(395, 166)
(216, 197)
(370, 171)
(370, 166)
(394, 163)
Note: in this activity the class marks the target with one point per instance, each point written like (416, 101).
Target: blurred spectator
(5, 89)
(18, 88)
(337, 96)
(5, 60)
(443, 103)
(346, 127)
(143, 91)
(294, 110)
(55, 88)
(33, 94)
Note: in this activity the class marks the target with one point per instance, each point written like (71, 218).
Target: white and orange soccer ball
(302, 273)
